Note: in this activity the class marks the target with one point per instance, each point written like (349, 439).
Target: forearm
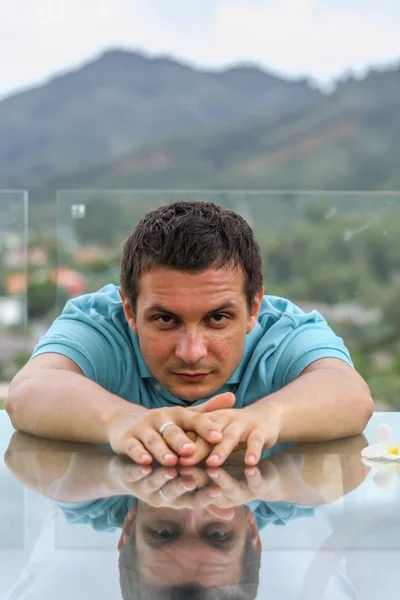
(63, 405)
(320, 405)
(87, 478)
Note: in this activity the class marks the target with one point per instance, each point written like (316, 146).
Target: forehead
(179, 289)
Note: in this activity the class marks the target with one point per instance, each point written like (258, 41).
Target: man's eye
(217, 534)
(218, 319)
(165, 532)
(164, 319)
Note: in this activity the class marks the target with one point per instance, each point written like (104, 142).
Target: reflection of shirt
(108, 514)
(93, 332)
(64, 571)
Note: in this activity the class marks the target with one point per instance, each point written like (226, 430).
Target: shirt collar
(236, 376)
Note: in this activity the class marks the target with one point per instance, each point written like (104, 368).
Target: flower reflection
(384, 472)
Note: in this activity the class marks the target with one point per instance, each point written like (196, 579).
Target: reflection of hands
(183, 487)
(68, 472)
(214, 489)
(176, 487)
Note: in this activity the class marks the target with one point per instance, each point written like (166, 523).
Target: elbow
(14, 402)
(10, 408)
(367, 402)
(9, 403)
(366, 409)
(369, 408)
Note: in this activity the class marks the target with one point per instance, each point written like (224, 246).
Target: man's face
(175, 546)
(192, 327)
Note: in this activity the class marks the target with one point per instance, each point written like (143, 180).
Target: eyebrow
(163, 309)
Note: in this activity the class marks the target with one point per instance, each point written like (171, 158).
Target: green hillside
(347, 140)
(121, 100)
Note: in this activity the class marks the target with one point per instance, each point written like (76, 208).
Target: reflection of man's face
(177, 546)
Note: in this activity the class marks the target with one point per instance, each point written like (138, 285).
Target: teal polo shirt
(93, 332)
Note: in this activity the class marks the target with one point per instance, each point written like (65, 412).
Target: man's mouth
(194, 377)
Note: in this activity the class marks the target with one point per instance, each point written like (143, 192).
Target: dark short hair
(133, 589)
(190, 236)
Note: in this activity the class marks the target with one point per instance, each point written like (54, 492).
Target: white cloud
(39, 38)
(296, 37)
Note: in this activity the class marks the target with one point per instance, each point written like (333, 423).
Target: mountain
(122, 100)
(346, 140)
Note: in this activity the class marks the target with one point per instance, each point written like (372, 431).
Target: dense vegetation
(336, 253)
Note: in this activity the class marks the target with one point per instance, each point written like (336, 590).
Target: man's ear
(129, 314)
(255, 310)
(253, 528)
(128, 525)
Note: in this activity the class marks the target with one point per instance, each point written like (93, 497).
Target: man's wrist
(130, 412)
(267, 407)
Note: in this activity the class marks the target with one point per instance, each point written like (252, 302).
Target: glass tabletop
(312, 521)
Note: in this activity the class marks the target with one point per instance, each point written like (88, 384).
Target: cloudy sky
(320, 39)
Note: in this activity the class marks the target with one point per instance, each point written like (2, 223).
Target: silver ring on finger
(164, 496)
(164, 427)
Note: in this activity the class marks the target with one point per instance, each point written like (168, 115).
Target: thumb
(225, 400)
(226, 514)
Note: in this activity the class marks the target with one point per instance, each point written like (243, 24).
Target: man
(188, 357)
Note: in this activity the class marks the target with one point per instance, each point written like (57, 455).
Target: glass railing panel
(334, 252)
(13, 284)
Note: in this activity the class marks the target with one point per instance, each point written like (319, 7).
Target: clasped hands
(208, 431)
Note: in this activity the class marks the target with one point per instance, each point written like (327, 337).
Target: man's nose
(191, 348)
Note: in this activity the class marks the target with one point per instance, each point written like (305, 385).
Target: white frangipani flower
(386, 448)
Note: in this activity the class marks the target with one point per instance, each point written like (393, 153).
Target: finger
(203, 497)
(225, 400)
(202, 450)
(178, 441)
(124, 465)
(255, 445)
(137, 452)
(156, 480)
(228, 484)
(232, 435)
(179, 486)
(253, 477)
(134, 473)
(198, 475)
(124, 473)
(197, 499)
(202, 424)
(157, 447)
(226, 514)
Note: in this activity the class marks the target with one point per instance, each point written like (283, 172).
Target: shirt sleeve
(85, 340)
(278, 513)
(104, 514)
(309, 338)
